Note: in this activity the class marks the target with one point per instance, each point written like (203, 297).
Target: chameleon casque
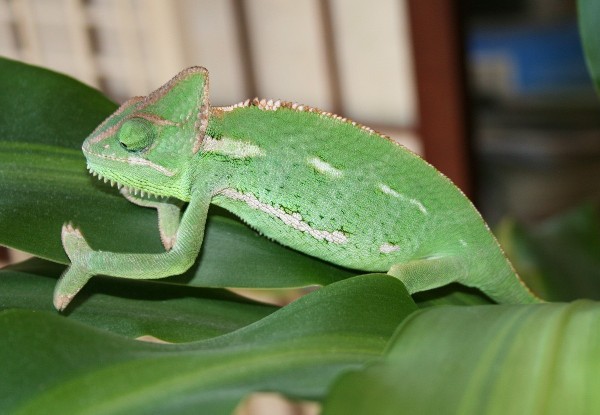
(311, 180)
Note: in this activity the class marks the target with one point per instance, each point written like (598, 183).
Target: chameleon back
(339, 191)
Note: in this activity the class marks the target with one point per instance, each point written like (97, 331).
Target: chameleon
(306, 178)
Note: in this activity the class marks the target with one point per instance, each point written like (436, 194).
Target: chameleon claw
(70, 234)
(75, 277)
(69, 284)
(61, 301)
(168, 241)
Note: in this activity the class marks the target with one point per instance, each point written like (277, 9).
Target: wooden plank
(211, 39)
(81, 47)
(113, 73)
(30, 50)
(8, 41)
(331, 58)
(160, 40)
(130, 52)
(374, 55)
(4, 257)
(289, 55)
(440, 74)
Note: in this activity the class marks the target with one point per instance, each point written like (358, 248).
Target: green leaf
(54, 365)
(43, 107)
(589, 19)
(44, 183)
(560, 257)
(172, 313)
(540, 359)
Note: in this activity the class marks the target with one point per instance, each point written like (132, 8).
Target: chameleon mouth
(122, 187)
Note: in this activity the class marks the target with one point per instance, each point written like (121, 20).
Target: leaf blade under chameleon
(560, 256)
(517, 359)
(588, 19)
(169, 312)
(297, 351)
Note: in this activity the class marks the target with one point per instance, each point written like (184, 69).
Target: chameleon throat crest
(131, 190)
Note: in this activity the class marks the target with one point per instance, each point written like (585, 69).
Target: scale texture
(308, 179)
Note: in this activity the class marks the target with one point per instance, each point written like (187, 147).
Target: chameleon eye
(136, 134)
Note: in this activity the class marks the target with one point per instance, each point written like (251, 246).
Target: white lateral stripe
(418, 204)
(135, 161)
(389, 191)
(138, 161)
(387, 248)
(231, 147)
(294, 220)
(324, 167)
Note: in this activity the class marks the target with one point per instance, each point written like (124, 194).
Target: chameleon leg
(425, 274)
(168, 216)
(86, 262)
(504, 286)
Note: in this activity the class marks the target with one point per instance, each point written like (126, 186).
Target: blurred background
(493, 93)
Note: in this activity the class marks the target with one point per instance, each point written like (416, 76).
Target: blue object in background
(529, 60)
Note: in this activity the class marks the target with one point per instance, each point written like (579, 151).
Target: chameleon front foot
(78, 274)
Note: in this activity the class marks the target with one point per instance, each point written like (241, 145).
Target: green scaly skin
(311, 180)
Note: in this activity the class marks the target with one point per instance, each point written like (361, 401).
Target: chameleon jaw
(121, 187)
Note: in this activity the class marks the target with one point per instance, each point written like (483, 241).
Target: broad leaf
(560, 257)
(589, 19)
(540, 359)
(132, 308)
(55, 365)
(44, 183)
(43, 107)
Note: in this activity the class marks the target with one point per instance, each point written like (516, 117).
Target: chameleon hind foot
(77, 275)
(427, 273)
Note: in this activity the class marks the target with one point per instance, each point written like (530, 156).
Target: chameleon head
(149, 142)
